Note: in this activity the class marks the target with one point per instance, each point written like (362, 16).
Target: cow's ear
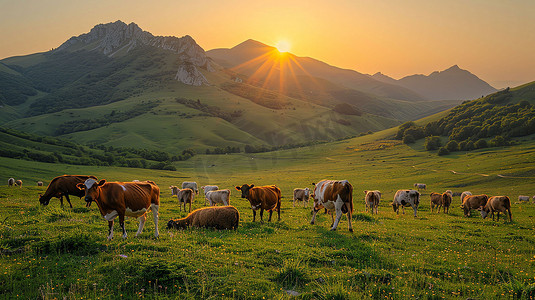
(251, 186)
(102, 182)
(365, 192)
(80, 186)
(313, 184)
(238, 188)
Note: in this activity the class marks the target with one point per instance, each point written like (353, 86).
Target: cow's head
(395, 206)
(244, 189)
(177, 224)
(92, 189)
(174, 190)
(307, 191)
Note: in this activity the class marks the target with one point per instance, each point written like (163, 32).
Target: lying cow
(63, 186)
(302, 195)
(131, 199)
(497, 204)
(473, 202)
(371, 200)
(218, 197)
(263, 198)
(420, 186)
(405, 198)
(222, 217)
(336, 196)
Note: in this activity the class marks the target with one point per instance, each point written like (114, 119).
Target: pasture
(52, 252)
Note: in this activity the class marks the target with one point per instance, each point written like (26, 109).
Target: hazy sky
(494, 39)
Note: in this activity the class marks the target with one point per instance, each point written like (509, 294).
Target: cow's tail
(348, 188)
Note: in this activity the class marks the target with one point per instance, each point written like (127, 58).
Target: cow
(334, 195)
(523, 198)
(190, 185)
(263, 198)
(436, 200)
(464, 194)
(498, 204)
(18, 183)
(11, 182)
(39, 183)
(218, 197)
(446, 201)
(406, 198)
(301, 195)
(420, 186)
(208, 188)
(184, 196)
(473, 202)
(371, 200)
(63, 186)
(131, 199)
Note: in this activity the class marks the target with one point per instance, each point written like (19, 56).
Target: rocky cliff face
(112, 39)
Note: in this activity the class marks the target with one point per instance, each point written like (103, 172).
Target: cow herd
(136, 198)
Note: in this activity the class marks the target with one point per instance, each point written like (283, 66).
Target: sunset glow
(283, 46)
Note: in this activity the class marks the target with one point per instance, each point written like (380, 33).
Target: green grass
(52, 252)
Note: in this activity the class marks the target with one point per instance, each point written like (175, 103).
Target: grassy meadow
(53, 252)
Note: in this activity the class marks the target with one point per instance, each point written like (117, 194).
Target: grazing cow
(18, 183)
(498, 204)
(446, 202)
(190, 185)
(64, 185)
(523, 198)
(131, 199)
(473, 202)
(218, 197)
(184, 196)
(335, 196)
(371, 199)
(436, 200)
(302, 195)
(464, 194)
(208, 188)
(420, 186)
(11, 182)
(39, 183)
(263, 198)
(406, 198)
(222, 217)
(449, 192)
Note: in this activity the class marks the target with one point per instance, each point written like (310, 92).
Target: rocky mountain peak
(117, 38)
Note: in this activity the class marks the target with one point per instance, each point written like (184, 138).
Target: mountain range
(122, 86)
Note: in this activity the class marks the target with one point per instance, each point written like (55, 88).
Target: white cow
(523, 198)
(406, 198)
(218, 197)
(191, 185)
(208, 188)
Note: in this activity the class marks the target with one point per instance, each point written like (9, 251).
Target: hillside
(453, 83)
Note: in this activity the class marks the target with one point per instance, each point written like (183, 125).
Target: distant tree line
(482, 123)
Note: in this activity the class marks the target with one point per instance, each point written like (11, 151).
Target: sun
(283, 46)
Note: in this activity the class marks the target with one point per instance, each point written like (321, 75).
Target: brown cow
(371, 199)
(263, 198)
(473, 202)
(302, 195)
(446, 201)
(498, 204)
(131, 199)
(335, 196)
(436, 200)
(64, 185)
(18, 183)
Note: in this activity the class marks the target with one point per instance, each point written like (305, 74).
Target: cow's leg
(141, 220)
(350, 226)
(68, 200)
(403, 209)
(61, 200)
(110, 230)
(189, 208)
(510, 215)
(314, 213)
(498, 216)
(121, 222)
(155, 214)
(262, 215)
(225, 202)
(270, 214)
(254, 215)
(415, 210)
(279, 210)
(294, 201)
(337, 220)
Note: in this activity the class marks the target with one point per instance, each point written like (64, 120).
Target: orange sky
(494, 39)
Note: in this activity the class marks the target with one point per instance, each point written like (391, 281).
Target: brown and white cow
(131, 199)
(336, 196)
(473, 202)
(263, 198)
(497, 204)
(218, 197)
(184, 196)
(406, 198)
(63, 186)
(371, 200)
(301, 195)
